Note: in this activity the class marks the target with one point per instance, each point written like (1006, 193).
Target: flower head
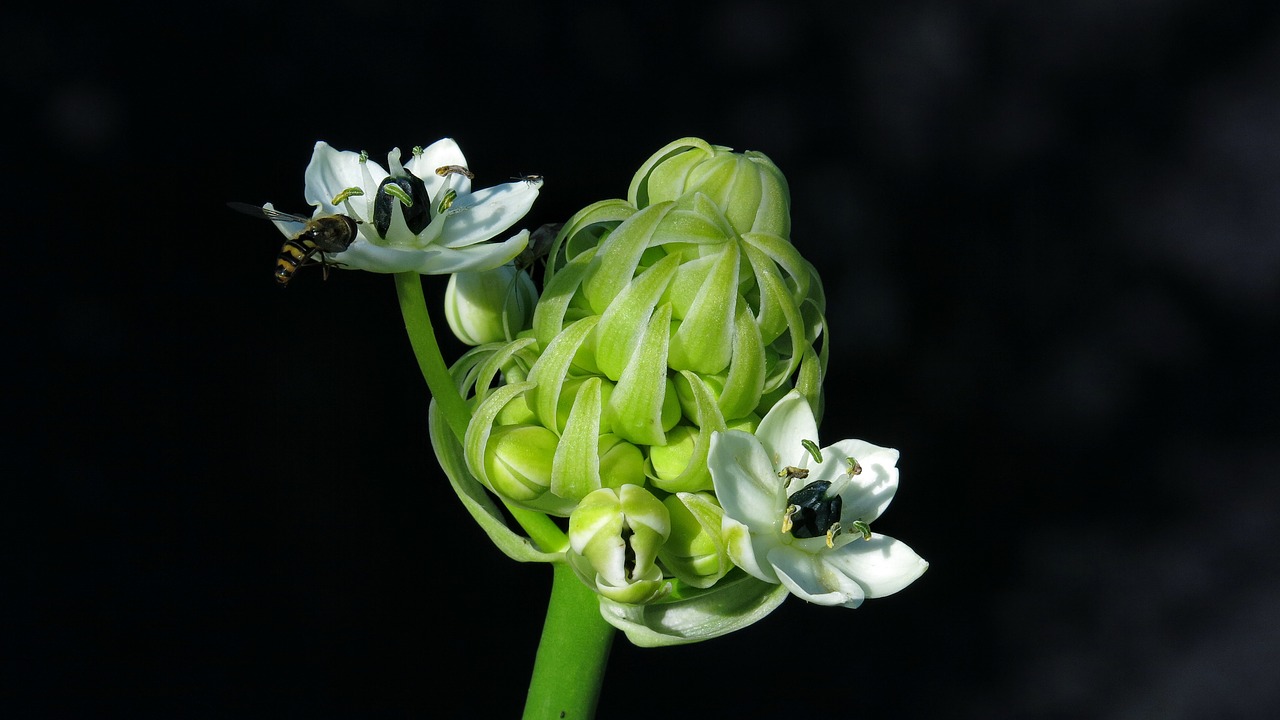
(800, 516)
(419, 216)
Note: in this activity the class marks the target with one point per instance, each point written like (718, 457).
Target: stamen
(832, 532)
(812, 448)
(446, 201)
(348, 193)
(447, 170)
(864, 528)
(786, 517)
(417, 151)
(854, 467)
(791, 472)
(364, 156)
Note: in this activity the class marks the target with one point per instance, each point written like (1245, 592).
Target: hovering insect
(324, 234)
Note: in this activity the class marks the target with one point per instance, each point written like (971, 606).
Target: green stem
(422, 337)
(574, 649)
(572, 654)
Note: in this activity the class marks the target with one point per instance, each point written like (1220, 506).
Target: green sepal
(744, 383)
(623, 248)
(623, 323)
(582, 232)
(703, 342)
(553, 307)
(576, 470)
(664, 174)
(695, 219)
(548, 374)
(641, 394)
(779, 313)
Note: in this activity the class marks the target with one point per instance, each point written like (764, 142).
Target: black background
(1050, 238)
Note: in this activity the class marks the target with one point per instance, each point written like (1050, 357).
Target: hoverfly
(324, 234)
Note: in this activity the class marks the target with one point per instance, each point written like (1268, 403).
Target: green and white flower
(800, 516)
(420, 216)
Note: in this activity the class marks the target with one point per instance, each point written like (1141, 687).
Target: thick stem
(572, 655)
(574, 649)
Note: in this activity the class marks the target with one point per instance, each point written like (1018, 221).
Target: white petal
(332, 171)
(475, 258)
(747, 551)
(881, 565)
(788, 422)
(436, 155)
(867, 494)
(746, 485)
(813, 580)
(364, 255)
(482, 215)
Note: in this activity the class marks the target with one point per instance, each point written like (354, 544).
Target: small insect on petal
(447, 170)
(812, 448)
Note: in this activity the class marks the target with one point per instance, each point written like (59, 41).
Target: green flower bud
(748, 187)
(621, 463)
(614, 540)
(518, 464)
(670, 461)
(695, 274)
(490, 305)
(695, 552)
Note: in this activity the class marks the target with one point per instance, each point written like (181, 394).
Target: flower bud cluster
(677, 312)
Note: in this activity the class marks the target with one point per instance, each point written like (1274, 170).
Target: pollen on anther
(786, 517)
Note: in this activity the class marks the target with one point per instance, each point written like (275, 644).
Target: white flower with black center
(801, 516)
(420, 216)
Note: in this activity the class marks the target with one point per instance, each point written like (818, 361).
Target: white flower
(782, 525)
(421, 216)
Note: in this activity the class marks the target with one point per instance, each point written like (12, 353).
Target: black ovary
(815, 513)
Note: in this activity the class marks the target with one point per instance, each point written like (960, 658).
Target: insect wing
(267, 213)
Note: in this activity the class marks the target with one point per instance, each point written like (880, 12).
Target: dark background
(1050, 238)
